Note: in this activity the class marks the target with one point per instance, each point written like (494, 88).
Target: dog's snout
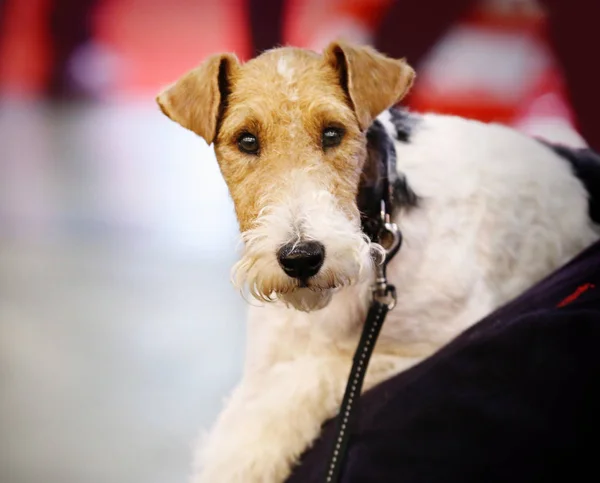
(301, 260)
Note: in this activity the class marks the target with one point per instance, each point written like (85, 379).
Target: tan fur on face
(286, 98)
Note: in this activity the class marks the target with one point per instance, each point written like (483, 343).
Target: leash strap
(384, 299)
(347, 414)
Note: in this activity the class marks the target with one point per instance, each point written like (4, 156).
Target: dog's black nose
(301, 260)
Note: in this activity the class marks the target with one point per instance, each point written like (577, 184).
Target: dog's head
(289, 131)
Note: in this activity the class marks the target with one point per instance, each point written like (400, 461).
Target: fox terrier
(300, 138)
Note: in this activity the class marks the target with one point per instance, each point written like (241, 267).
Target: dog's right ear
(196, 100)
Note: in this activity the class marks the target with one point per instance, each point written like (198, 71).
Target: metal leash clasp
(390, 239)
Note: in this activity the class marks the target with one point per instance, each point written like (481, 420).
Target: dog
(300, 136)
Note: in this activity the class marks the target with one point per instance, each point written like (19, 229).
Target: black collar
(382, 191)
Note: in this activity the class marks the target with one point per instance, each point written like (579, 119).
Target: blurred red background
(491, 59)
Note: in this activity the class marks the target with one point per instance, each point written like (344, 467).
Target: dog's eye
(331, 137)
(248, 143)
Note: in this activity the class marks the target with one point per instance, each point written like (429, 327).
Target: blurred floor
(119, 330)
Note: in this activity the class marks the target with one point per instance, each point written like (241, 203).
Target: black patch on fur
(404, 122)
(585, 164)
(402, 194)
(379, 174)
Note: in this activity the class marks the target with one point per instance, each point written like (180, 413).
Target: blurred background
(119, 330)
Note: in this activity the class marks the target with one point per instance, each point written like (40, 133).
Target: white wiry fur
(304, 211)
(497, 211)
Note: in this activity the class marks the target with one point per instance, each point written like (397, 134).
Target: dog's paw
(269, 422)
(260, 448)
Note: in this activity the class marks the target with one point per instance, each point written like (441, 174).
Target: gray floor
(119, 330)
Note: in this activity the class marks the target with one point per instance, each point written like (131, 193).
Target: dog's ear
(372, 81)
(196, 100)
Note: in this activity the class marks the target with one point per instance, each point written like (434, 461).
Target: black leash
(384, 299)
(347, 412)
